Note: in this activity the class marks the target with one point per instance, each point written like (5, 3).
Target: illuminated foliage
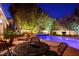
(29, 16)
(74, 26)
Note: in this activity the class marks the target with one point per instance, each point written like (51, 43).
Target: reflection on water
(73, 42)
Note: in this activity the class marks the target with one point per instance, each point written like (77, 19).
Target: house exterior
(3, 23)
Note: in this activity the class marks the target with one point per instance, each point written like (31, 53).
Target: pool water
(71, 41)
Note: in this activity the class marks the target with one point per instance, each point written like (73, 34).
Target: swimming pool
(71, 41)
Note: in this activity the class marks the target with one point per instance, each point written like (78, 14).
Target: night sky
(5, 8)
(55, 10)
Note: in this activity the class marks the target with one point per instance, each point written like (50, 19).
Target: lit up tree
(29, 16)
(74, 26)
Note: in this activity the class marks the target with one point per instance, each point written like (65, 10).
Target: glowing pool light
(72, 42)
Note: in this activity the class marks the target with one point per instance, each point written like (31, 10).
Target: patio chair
(8, 52)
(60, 50)
(34, 41)
(3, 45)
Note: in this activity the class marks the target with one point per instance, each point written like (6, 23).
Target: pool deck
(68, 52)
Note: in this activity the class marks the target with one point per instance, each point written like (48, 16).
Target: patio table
(25, 49)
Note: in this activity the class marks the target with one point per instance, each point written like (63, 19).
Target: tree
(74, 26)
(77, 11)
(29, 16)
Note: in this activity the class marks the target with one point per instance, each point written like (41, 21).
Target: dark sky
(6, 11)
(56, 10)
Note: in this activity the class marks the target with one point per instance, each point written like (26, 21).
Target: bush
(9, 33)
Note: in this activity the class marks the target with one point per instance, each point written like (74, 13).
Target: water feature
(71, 41)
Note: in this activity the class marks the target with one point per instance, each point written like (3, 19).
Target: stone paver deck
(69, 51)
